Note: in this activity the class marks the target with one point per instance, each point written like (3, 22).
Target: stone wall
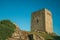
(48, 21)
(37, 21)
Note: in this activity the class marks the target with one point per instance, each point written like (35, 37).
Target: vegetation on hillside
(47, 36)
(6, 29)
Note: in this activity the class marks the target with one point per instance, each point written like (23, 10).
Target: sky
(19, 12)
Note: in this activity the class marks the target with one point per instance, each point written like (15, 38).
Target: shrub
(6, 29)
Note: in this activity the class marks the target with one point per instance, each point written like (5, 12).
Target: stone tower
(42, 21)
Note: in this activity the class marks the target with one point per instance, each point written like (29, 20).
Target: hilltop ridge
(10, 31)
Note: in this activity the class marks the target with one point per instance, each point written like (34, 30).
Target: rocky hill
(10, 31)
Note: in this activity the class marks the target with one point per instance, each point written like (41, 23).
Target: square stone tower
(42, 21)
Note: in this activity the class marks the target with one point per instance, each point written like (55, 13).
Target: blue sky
(19, 11)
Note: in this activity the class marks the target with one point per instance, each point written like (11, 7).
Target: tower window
(37, 21)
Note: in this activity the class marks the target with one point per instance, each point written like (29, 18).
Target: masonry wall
(38, 22)
(48, 21)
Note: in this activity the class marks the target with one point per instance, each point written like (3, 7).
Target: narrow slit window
(37, 21)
